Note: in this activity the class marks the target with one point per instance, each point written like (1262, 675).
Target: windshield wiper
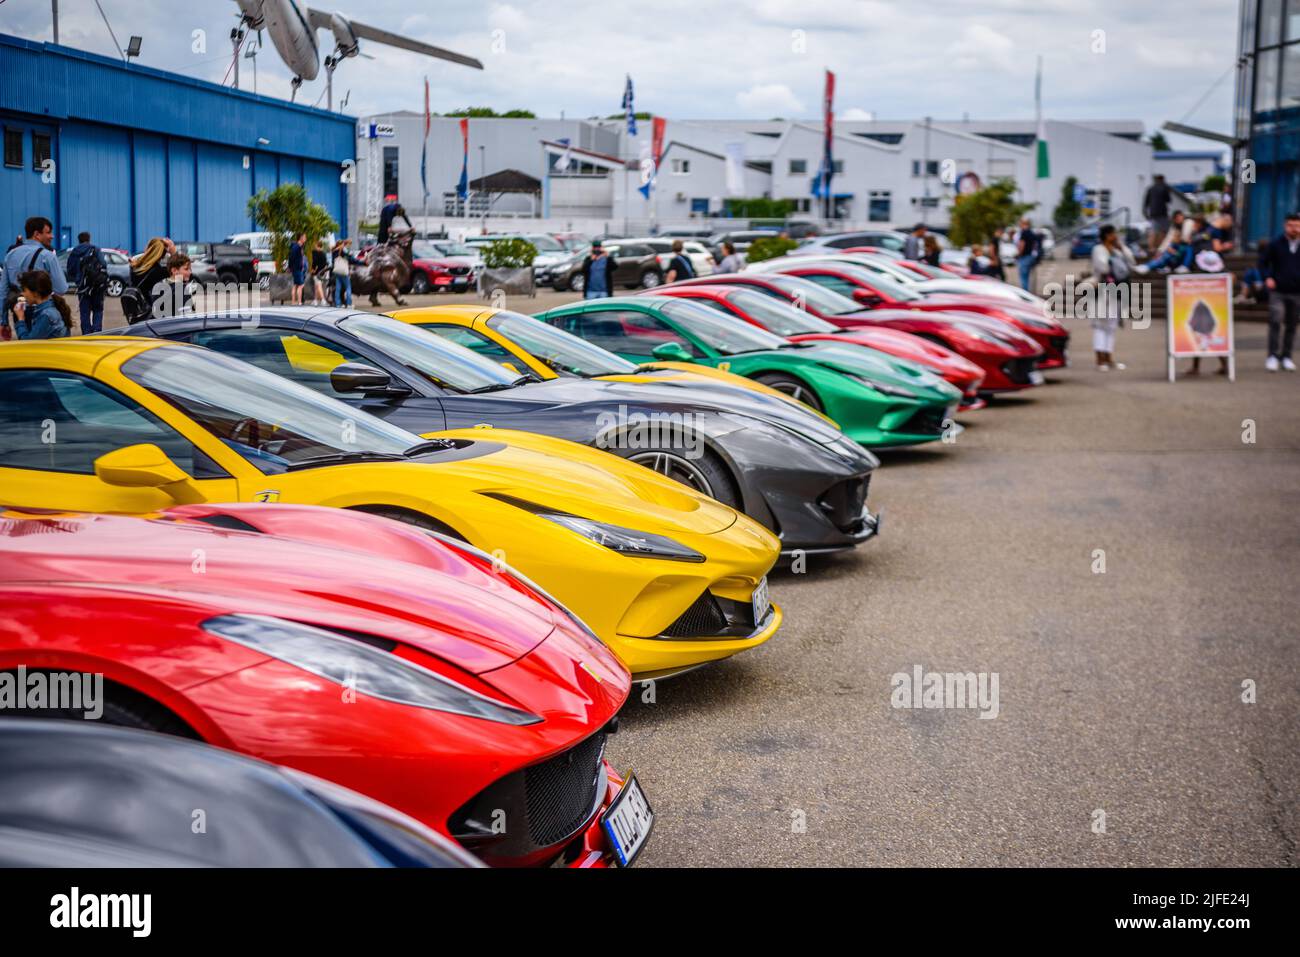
(337, 458)
(494, 387)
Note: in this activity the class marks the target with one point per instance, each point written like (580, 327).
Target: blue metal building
(140, 152)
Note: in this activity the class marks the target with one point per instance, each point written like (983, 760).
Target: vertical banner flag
(1040, 131)
(462, 188)
(565, 158)
(650, 162)
(628, 111)
(828, 128)
(1200, 318)
(735, 169)
(424, 147)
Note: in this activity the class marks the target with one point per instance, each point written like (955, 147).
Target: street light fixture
(133, 48)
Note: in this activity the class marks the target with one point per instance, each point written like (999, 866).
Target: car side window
(58, 421)
(479, 343)
(628, 333)
(302, 357)
(834, 283)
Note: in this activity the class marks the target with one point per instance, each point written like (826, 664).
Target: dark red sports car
(799, 325)
(367, 652)
(1008, 358)
(880, 292)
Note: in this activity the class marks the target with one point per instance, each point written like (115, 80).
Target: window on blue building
(13, 148)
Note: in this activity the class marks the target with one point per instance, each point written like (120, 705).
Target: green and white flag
(1040, 134)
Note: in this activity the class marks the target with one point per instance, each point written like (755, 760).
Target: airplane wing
(321, 21)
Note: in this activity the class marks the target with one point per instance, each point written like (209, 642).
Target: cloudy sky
(690, 59)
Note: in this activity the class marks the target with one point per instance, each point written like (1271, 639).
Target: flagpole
(424, 159)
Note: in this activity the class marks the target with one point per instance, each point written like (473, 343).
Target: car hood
(443, 603)
(674, 397)
(567, 477)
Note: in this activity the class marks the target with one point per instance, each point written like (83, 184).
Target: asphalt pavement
(1120, 691)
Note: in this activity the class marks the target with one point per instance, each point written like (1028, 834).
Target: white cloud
(982, 46)
(766, 100)
(857, 113)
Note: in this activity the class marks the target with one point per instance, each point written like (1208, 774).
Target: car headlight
(884, 388)
(353, 664)
(625, 541)
(983, 335)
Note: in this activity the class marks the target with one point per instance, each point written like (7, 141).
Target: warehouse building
(585, 174)
(128, 152)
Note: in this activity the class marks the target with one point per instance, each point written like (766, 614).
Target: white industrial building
(888, 173)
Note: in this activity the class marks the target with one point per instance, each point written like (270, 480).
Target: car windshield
(446, 364)
(896, 291)
(776, 316)
(273, 423)
(825, 301)
(546, 244)
(728, 335)
(562, 352)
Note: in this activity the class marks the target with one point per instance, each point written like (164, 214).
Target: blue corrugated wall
(141, 152)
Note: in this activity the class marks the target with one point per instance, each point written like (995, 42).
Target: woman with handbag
(1112, 265)
(341, 270)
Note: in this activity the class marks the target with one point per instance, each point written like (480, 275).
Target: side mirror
(672, 352)
(356, 377)
(146, 466)
(867, 297)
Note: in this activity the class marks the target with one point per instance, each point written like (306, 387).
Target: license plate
(762, 602)
(1036, 378)
(628, 822)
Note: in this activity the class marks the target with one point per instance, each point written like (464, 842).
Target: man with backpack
(35, 252)
(86, 268)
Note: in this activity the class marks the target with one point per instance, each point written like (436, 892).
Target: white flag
(735, 167)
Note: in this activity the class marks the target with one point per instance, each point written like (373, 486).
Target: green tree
(760, 207)
(1215, 183)
(975, 215)
(1068, 211)
(769, 247)
(1158, 142)
(286, 211)
(508, 254)
(486, 112)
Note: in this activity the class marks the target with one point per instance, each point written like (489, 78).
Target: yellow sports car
(666, 577)
(526, 345)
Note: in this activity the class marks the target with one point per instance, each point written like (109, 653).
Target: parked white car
(701, 259)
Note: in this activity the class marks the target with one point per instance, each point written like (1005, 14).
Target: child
(39, 314)
(172, 296)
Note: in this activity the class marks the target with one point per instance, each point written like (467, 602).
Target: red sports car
(367, 652)
(875, 291)
(447, 273)
(1007, 358)
(798, 325)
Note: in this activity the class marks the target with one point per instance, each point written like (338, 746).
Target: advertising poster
(1200, 317)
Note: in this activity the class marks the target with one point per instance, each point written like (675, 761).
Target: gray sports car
(790, 470)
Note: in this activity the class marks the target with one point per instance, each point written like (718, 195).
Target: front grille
(561, 792)
(704, 617)
(1017, 370)
(844, 501)
(924, 422)
(1059, 342)
(459, 270)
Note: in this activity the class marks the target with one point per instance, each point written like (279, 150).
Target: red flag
(657, 139)
(428, 117)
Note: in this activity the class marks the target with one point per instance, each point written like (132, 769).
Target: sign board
(370, 131)
(1080, 193)
(1200, 318)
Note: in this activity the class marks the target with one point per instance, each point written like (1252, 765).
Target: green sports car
(879, 401)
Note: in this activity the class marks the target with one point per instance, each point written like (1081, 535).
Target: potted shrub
(508, 266)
